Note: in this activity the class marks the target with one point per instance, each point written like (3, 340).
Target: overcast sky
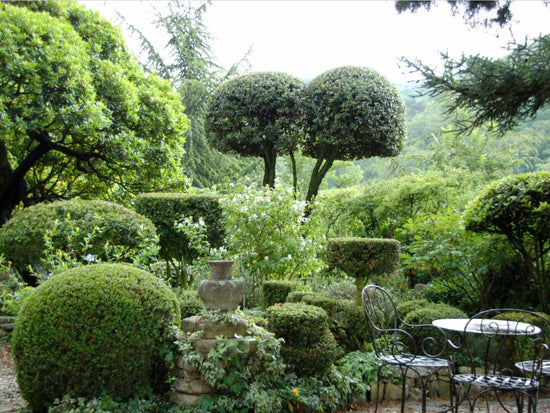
(306, 38)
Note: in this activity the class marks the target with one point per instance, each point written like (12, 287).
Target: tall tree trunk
(13, 187)
(294, 174)
(270, 158)
(320, 169)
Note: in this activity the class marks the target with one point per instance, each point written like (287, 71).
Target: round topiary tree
(77, 226)
(257, 114)
(361, 258)
(351, 113)
(518, 207)
(93, 330)
(309, 347)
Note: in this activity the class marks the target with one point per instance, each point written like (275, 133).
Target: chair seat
(412, 360)
(497, 382)
(527, 366)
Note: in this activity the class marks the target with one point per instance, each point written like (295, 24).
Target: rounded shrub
(426, 315)
(104, 329)
(76, 226)
(276, 291)
(309, 347)
(190, 303)
(406, 307)
(297, 296)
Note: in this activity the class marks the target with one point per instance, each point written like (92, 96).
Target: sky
(306, 38)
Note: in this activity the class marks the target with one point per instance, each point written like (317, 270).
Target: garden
(107, 244)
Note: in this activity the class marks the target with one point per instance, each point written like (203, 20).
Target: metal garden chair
(417, 348)
(492, 344)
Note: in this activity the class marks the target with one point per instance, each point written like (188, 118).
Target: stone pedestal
(220, 292)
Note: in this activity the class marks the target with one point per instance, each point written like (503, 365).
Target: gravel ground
(10, 398)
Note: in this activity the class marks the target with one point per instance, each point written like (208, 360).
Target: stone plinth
(189, 385)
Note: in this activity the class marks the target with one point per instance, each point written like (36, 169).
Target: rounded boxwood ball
(93, 330)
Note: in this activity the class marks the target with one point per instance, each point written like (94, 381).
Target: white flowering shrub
(268, 234)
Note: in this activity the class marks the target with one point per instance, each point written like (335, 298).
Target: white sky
(306, 38)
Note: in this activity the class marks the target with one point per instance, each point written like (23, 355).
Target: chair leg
(377, 388)
(403, 388)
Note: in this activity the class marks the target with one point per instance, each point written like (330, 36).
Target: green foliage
(309, 347)
(408, 306)
(270, 237)
(362, 367)
(347, 320)
(85, 231)
(102, 329)
(188, 226)
(106, 404)
(362, 257)
(190, 302)
(465, 269)
(519, 207)
(350, 113)
(257, 114)
(423, 336)
(86, 120)
(276, 291)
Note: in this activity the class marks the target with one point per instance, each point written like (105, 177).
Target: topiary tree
(257, 114)
(91, 230)
(518, 207)
(361, 258)
(277, 291)
(177, 245)
(95, 330)
(309, 347)
(350, 113)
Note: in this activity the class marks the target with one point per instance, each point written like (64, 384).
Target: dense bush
(362, 258)
(92, 230)
(297, 296)
(309, 348)
(409, 306)
(276, 291)
(200, 228)
(518, 207)
(190, 302)
(347, 320)
(93, 330)
(426, 315)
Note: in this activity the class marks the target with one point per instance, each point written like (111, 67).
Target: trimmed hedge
(347, 320)
(363, 257)
(71, 222)
(94, 330)
(165, 209)
(309, 348)
(277, 291)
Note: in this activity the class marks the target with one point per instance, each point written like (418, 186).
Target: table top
(487, 326)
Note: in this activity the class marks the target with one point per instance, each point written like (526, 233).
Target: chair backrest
(391, 336)
(507, 342)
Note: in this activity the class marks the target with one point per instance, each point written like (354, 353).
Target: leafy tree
(77, 115)
(186, 60)
(496, 91)
(471, 9)
(257, 114)
(518, 207)
(350, 113)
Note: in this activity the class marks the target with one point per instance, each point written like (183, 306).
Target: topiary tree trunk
(362, 258)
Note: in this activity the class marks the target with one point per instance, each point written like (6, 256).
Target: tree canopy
(257, 114)
(77, 114)
(518, 207)
(351, 113)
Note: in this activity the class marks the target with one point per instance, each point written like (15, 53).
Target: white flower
(89, 258)
(289, 257)
(266, 258)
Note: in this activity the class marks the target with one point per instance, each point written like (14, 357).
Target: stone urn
(220, 291)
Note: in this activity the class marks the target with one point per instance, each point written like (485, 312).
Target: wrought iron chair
(491, 344)
(417, 348)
